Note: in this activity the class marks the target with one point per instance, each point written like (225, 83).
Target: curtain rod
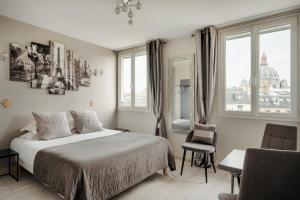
(137, 46)
(256, 18)
(194, 34)
(161, 40)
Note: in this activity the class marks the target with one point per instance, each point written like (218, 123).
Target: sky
(140, 74)
(276, 46)
(126, 75)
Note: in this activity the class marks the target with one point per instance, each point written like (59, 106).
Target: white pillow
(51, 125)
(86, 122)
(31, 127)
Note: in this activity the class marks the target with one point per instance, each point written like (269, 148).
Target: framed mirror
(181, 89)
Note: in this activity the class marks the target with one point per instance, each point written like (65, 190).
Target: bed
(94, 166)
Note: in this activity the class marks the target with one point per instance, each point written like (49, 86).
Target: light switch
(6, 103)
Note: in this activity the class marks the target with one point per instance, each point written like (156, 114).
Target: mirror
(182, 92)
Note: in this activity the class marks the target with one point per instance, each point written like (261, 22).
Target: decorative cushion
(203, 134)
(86, 122)
(51, 125)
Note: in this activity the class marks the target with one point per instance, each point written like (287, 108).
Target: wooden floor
(190, 186)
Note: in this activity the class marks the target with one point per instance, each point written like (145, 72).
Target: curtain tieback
(158, 119)
(157, 125)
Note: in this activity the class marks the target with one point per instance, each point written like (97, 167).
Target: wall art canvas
(21, 63)
(57, 85)
(85, 73)
(49, 67)
(72, 71)
(42, 65)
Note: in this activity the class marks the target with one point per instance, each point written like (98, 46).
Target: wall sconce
(98, 72)
(6, 103)
(3, 56)
(93, 103)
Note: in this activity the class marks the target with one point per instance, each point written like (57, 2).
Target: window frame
(131, 53)
(253, 29)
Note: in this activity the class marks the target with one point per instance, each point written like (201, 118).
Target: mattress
(28, 148)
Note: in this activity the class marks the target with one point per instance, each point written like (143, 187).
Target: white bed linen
(28, 148)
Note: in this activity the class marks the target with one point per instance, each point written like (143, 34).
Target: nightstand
(8, 153)
(121, 129)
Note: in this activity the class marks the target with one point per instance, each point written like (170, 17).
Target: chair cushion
(224, 196)
(198, 147)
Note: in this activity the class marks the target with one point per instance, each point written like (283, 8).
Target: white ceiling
(94, 20)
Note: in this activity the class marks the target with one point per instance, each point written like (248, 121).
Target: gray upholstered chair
(280, 137)
(202, 140)
(269, 175)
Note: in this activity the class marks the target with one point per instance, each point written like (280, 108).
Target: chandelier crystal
(127, 6)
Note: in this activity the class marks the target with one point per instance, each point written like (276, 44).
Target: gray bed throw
(101, 168)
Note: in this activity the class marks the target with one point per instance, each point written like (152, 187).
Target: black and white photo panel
(85, 73)
(72, 70)
(21, 63)
(42, 65)
(57, 84)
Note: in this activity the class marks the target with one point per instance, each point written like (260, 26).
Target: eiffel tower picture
(57, 85)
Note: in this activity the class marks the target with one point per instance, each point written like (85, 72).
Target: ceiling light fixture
(126, 6)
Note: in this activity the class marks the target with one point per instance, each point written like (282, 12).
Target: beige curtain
(206, 72)
(155, 71)
(155, 76)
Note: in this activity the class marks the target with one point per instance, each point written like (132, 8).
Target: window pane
(141, 81)
(125, 98)
(275, 70)
(238, 73)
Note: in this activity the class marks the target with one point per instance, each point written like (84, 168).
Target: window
(238, 72)
(125, 99)
(133, 84)
(275, 70)
(259, 70)
(140, 94)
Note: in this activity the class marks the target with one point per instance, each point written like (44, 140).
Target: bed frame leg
(165, 171)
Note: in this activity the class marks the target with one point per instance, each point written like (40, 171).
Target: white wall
(232, 132)
(26, 100)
